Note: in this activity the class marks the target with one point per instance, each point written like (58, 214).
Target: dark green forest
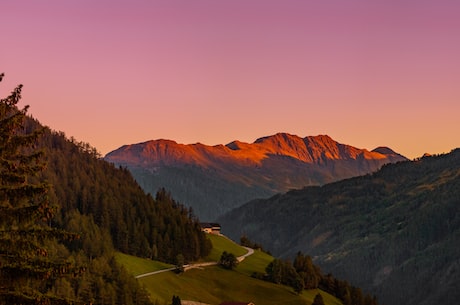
(395, 232)
(303, 274)
(159, 228)
(27, 267)
(65, 212)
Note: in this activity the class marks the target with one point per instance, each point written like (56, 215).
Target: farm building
(212, 228)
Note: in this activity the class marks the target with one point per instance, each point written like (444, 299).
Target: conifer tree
(26, 271)
(318, 300)
(176, 300)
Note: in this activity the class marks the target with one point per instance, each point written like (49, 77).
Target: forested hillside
(51, 189)
(110, 211)
(394, 233)
(139, 224)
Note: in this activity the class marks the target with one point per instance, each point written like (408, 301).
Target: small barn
(211, 228)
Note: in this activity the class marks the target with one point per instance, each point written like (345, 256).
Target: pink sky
(367, 73)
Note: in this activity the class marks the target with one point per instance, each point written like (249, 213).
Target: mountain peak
(279, 137)
(389, 153)
(214, 179)
(283, 144)
(236, 145)
(311, 149)
(384, 150)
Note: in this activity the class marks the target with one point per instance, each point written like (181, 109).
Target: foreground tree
(310, 273)
(318, 300)
(176, 300)
(228, 260)
(26, 269)
(180, 264)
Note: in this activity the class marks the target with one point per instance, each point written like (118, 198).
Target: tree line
(303, 274)
(64, 212)
(159, 228)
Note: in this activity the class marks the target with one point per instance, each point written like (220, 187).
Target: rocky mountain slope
(394, 233)
(216, 179)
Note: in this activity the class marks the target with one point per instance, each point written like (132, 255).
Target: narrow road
(197, 265)
(242, 257)
(154, 272)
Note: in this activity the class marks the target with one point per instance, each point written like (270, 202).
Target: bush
(228, 260)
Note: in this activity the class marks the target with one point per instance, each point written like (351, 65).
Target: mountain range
(215, 179)
(395, 233)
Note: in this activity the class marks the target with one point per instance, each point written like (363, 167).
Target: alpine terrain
(215, 179)
(394, 233)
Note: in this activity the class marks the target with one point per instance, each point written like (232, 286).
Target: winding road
(197, 265)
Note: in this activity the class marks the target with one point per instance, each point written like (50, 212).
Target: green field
(255, 263)
(213, 285)
(137, 265)
(221, 244)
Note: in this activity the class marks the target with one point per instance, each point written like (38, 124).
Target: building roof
(209, 225)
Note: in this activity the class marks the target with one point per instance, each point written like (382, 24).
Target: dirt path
(242, 257)
(197, 265)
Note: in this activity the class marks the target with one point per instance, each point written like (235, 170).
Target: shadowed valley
(394, 233)
(216, 179)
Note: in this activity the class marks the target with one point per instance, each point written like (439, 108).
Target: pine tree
(318, 300)
(26, 271)
(176, 300)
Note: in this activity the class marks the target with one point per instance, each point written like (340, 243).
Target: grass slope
(255, 263)
(137, 265)
(221, 244)
(213, 285)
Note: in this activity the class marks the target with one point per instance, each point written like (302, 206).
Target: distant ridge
(388, 152)
(394, 233)
(215, 179)
(312, 149)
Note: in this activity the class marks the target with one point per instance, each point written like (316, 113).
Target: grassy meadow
(137, 265)
(213, 285)
(221, 244)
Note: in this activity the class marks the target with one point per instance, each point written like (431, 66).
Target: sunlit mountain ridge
(215, 179)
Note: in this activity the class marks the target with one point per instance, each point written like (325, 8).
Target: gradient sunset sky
(367, 73)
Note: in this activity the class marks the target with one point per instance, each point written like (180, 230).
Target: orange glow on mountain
(312, 149)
